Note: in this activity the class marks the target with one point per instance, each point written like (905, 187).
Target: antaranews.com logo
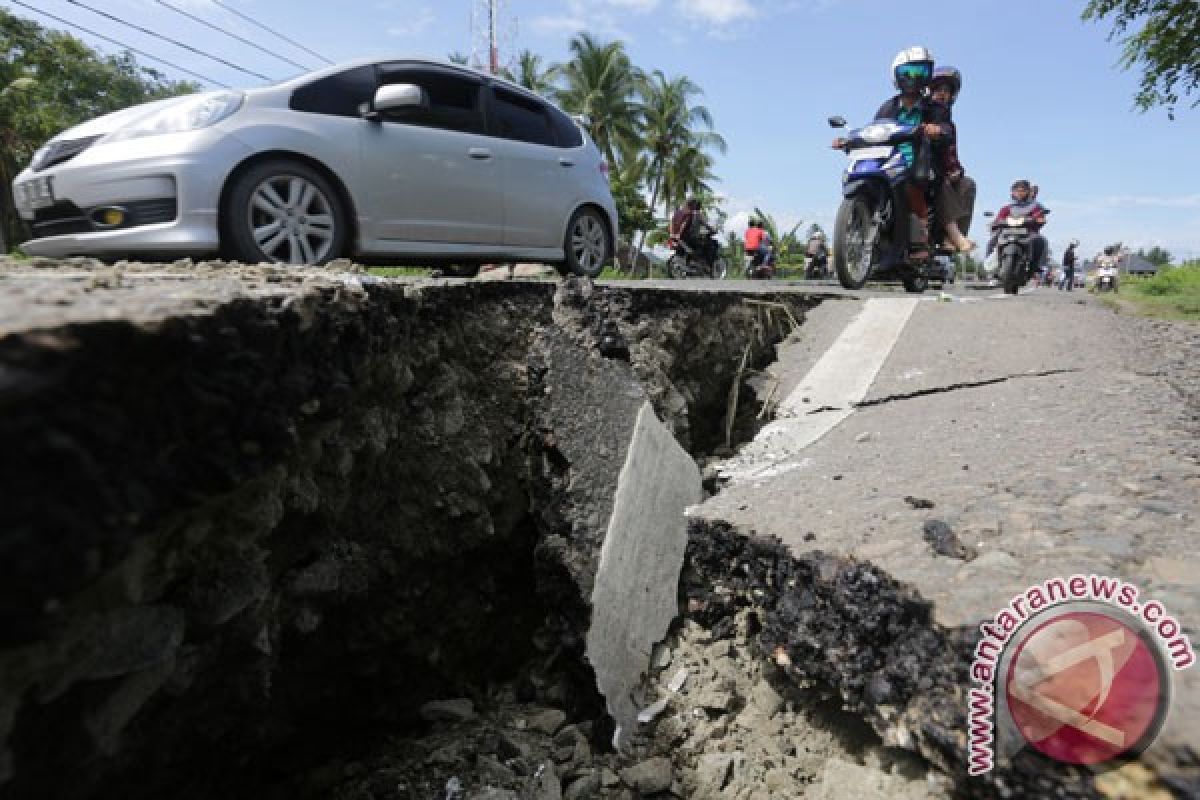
(1077, 668)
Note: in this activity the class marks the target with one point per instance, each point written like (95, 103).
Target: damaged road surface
(309, 533)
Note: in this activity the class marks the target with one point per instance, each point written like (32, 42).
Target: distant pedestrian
(1068, 261)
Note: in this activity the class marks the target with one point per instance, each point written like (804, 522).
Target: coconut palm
(532, 76)
(676, 135)
(600, 82)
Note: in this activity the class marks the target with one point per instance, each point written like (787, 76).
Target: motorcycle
(872, 233)
(757, 267)
(685, 262)
(817, 267)
(1106, 279)
(1014, 251)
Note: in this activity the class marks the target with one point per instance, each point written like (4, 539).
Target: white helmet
(912, 68)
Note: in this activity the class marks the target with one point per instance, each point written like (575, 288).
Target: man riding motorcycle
(818, 256)
(1023, 205)
(689, 226)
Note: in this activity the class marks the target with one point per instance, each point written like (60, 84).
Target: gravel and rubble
(721, 721)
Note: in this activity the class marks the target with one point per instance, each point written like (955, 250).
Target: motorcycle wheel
(915, 284)
(850, 232)
(676, 267)
(1010, 268)
(720, 269)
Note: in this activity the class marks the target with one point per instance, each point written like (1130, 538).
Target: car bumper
(182, 173)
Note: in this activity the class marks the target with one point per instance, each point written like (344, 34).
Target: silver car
(409, 161)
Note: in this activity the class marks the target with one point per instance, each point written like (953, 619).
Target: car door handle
(566, 162)
(481, 153)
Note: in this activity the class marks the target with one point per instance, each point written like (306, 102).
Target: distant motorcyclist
(818, 256)
(912, 70)
(1024, 205)
(758, 243)
(689, 225)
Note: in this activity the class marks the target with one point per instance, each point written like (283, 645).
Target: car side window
(565, 129)
(339, 95)
(453, 101)
(522, 118)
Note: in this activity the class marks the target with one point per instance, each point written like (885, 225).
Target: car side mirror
(395, 97)
(837, 122)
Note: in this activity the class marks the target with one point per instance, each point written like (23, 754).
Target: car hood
(101, 126)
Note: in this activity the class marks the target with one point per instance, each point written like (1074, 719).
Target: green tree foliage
(1162, 38)
(1156, 256)
(788, 247)
(599, 82)
(533, 76)
(50, 81)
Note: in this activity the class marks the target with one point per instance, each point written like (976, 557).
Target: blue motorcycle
(872, 232)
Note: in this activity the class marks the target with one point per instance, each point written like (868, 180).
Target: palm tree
(600, 82)
(531, 75)
(675, 146)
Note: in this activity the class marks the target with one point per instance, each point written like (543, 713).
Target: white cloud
(717, 12)
(412, 23)
(640, 6)
(595, 16)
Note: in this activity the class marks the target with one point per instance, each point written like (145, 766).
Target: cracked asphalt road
(1044, 432)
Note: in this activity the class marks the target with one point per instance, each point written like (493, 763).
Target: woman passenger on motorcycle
(955, 197)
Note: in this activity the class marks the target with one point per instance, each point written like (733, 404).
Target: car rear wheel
(285, 212)
(588, 246)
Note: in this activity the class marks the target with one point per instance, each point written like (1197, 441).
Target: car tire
(588, 246)
(286, 212)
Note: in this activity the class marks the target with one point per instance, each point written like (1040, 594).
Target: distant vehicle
(412, 160)
(1106, 279)
(685, 262)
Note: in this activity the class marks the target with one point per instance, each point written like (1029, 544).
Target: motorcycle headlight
(198, 111)
(875, 134)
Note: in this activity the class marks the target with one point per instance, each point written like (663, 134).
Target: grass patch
(399, 272)
(1173, 293)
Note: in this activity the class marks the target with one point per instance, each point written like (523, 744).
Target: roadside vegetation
(1174, 293)
(50, 81)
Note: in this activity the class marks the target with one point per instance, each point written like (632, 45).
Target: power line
(120, 44)
(271, 31)
(175, 42)
(232, 35)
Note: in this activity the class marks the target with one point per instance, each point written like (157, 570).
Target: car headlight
(198, 111)
(39, 157)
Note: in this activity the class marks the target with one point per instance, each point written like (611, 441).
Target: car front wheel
(285, 212)
(588, 246)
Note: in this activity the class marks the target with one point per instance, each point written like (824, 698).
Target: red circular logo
(1085, 687)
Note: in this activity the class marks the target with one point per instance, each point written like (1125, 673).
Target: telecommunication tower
(492, 34)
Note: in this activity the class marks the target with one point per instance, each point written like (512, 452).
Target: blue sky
(1044, 95)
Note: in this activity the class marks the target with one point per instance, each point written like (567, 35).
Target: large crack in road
(313, 534)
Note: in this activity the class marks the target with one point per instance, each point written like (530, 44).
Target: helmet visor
(916, 73)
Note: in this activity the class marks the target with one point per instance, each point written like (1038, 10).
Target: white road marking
(827, 394)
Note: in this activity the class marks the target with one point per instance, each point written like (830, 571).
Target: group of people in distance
(926, 97)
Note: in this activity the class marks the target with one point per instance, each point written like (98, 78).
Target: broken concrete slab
(633, 600)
